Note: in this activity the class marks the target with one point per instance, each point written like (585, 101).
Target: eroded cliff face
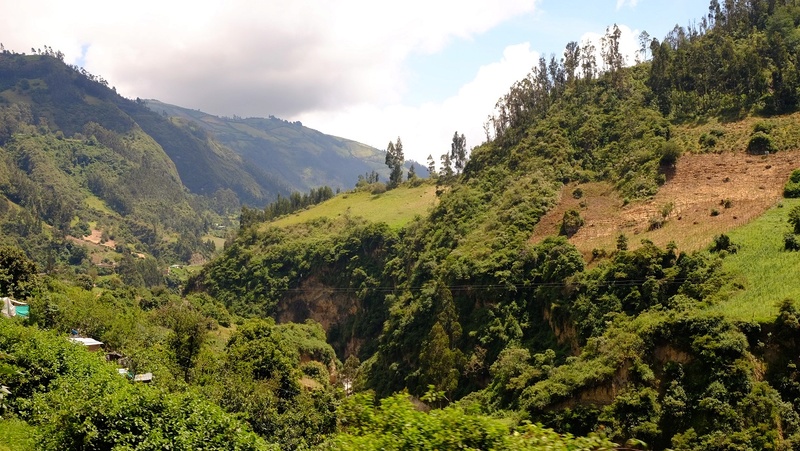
(351, 318)
(333, 308)
(317, 301)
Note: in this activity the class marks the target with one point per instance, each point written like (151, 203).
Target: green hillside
(395, 207)
(610, 270)
(296, 156)
(79, 161)
(639, 340)
(761, 270)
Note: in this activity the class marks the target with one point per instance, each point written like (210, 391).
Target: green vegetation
(792, 188)
(463, 306)
(396, 208)
(288, 156)
(456, 329)
(396, 424)
(761, 267)
(16, 435)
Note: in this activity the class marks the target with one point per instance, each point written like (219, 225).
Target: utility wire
(473, 287)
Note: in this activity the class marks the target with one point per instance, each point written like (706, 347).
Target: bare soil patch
(96, 238)
(710, 194)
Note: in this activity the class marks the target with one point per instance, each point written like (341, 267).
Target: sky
(366, 70)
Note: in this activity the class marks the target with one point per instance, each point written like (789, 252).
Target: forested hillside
(449, 313)
(460, 304)
(297, 156)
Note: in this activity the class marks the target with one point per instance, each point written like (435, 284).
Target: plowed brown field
(700, 185)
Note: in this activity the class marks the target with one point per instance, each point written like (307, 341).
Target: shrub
(714, 212)
(666, 209)
(723, 243)
(760, 143)
(656, 223)
(622, 242)
(708, 141)
(790, 242)
(794, 218)
(670, 152)
(377, 188)
(792, 187)
(762, 127)
(577, 193)
(571, 223)
(726, 203)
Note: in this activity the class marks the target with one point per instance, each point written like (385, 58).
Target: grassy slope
(767, 272)
(702, 179)
(395, 207)
(16, 435)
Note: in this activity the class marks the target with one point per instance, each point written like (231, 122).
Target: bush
(794, 218)
(792, 187)
(377, 188)
(577, 193)
(656, 223)
(708, 141)
(762, 127)
(571, 223)
(622, 242)
(790, 242)
(760, 143)
(670, 152)
(723, 243)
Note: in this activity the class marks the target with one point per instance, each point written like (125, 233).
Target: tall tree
(395, 160)
(644, 43)
(446, 171)
(189, 332)
(588, 61)
(17, 272)
(431, 166)
(458, 152)
(572, 55)
(612, 56)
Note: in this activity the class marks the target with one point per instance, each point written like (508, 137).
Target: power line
(487, 287)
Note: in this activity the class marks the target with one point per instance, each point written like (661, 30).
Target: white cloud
(630, 3)
(252, 58)
(428, 128)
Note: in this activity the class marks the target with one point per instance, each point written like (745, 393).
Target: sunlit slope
(763, 273)
(715, 186)
(394, 207)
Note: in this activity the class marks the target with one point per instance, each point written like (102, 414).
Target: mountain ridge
(299, 157)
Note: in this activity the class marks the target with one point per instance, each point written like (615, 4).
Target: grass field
(394, 207)
(16, 435)
(767, 273)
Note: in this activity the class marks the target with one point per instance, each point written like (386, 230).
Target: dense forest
(455, 330)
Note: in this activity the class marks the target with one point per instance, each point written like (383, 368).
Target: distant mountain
(65, 99)
(77, 158)
(292, 154)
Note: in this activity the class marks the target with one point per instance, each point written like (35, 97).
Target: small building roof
(146, 377)
(86, 341)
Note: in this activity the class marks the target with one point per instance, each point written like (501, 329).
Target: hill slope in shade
(64, 99)
(299, 157)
